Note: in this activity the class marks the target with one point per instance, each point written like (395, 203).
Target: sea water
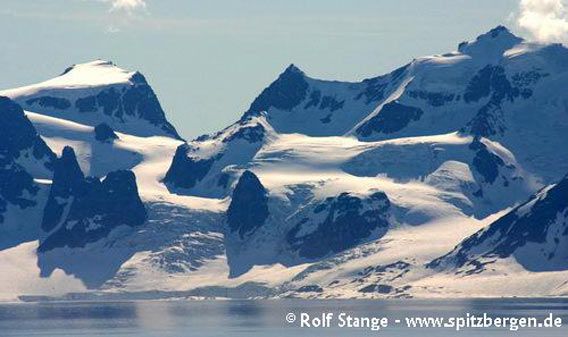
(275, 318)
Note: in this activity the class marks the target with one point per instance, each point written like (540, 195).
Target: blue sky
(207, 60)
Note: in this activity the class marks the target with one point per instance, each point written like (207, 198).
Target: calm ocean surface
(262, 318)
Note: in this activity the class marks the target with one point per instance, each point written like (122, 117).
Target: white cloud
(124, 14)
(129, 6)
(545, 20)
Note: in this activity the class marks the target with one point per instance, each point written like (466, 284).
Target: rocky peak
(98, 91)
(289, 89)
(17, 134)
(104, 133)
(249, 206)
(82, 210)
(494, 42)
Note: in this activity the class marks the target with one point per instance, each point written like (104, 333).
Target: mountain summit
(95, 92)
(493, 43)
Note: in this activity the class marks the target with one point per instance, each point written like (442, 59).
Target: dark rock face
(249, 206)
(86, 104)
(67, 178)
(376, 87)
(137, 100)
(104, 133)
(393, 117)
(487, 122)
(312, 288)
(493, 83)
(479, 86)
(491, 80)
(186, 171)
(50, 102)
(18, 134)
(84, 210)
(374, 91)
(377, 288)
(349, 221)
(528, 223)
(252, 134)
(289, 90)
(17, 187)
(486, 162)
(526, 80)
(325, 102)
(495, 32)
(435, 99)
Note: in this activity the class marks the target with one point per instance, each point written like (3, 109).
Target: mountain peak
(499, 30)
(108, 69)
(18, 134)
(287, 91)
(497, 40)
(292, 68)
(93, 73)
(67, 168)
(249, 205)
(95, 63)
(537, 222)
(98, 91)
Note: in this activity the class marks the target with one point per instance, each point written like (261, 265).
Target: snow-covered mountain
(535, 233)
(206, 166)
(96, 92)
(82, 210)
(23, 157)
(409, 184)
(492, 87)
